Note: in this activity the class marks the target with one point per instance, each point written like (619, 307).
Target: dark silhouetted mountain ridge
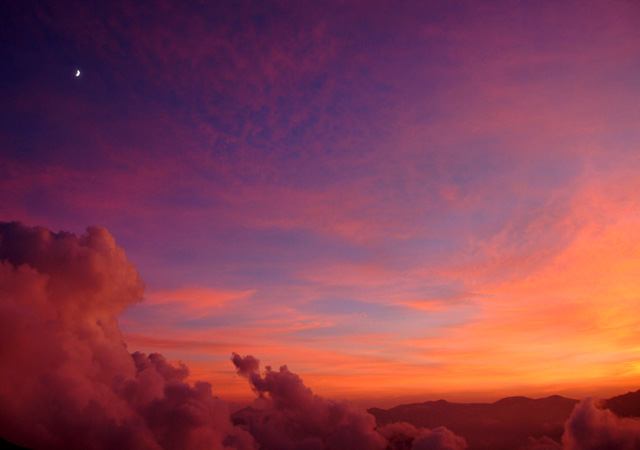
(625, 405)
(505, 424)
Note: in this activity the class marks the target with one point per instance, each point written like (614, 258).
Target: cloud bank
(592, 427)
(67, 380)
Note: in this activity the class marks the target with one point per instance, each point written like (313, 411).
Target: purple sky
(394, 198)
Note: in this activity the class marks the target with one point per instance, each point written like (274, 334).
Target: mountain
(506, 424)
(6, 445)
(626, 405)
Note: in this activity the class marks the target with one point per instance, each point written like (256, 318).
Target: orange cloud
(568, 321)
(197, 300)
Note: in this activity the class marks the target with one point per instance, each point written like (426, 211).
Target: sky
(398, 200)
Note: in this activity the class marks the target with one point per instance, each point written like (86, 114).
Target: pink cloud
(401, 435)
(197, 297)
(66, 378)
(68, 381)
(591, 428)
(290, 416)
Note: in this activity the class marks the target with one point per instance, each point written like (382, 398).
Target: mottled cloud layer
(420, 189)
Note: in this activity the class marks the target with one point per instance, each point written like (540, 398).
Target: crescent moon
(77, 72)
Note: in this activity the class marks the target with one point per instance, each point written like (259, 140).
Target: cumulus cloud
(439, 438)
(67, 380)
(402, 435)
(290, 416)
(591, 428)
(543, 443)
(399, 435)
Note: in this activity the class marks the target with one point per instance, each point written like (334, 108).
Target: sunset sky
(402, 200)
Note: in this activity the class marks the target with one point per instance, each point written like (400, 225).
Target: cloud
(438, 438)
(591, 427)
(196, 301)
(66, 377)
(402, 435)
(67, 380)
(289, 416)
(543, 443)
(294, 418)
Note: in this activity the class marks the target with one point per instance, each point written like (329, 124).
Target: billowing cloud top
(67, 380)
(298, 419)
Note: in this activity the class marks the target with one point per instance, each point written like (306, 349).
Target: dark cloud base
(67, 380)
